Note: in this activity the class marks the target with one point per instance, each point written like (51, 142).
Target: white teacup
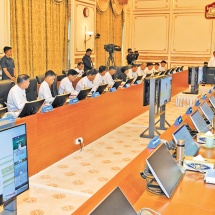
(209, 141)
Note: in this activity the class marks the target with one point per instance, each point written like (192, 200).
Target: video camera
(111, 48)
(135, 55)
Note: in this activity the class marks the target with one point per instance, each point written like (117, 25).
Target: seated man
(87, 81)
(156, 67)
(123, 75)
(132, 73)
(163, 66)
(17, 97)
(44, 90)
(141, 70)
(80, 69)
(66, 83)
(100, 77)
(149, 68)
(108, 76)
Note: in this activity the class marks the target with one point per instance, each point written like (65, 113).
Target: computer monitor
(31, 108)
(177, 69)
(162, 73)
(200, 75)
(2, 112)
(129, 81)
(212, 101)
(83, 94)
(207, 111)
(167, 72)
(181, 68)
(165, 170)
(199, 122)
(191, 147)
(101, 88)
(165, 90)
(117, 83)
(13, 163)
(60, 100)
(114, 204)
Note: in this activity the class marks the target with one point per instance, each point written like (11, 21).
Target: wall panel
(190, 4)
(151, 4)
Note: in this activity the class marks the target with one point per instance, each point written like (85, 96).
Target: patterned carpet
(67, 184)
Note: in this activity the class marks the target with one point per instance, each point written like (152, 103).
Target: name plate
(113, 89)
(73, 101)
(210, 91)
(96, 94)
(178, 121)
(46, 108)
(127, 85)
(154, 142)
(189, 110)
(204, 97)
(197, 103)
(137, 82)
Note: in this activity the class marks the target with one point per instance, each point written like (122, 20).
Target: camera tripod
(110, 59)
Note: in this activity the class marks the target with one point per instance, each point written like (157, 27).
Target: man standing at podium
(88, 64)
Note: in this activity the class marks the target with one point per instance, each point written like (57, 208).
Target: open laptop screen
(165, 170)
(212, 100)
(199, 122)
(115, 204)
(207, 111)
(182, 133)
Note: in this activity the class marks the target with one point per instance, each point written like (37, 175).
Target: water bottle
(180, 151)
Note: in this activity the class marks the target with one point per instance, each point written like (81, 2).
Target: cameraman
(131, 57)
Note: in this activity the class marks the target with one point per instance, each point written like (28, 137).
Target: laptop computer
(148, 75)
(117, 84)
(129, 81)
(138, 78)
(60, 100)
(191, 148)
(83, 94)
(114, 204)
(207, 111)
(2, 112)
(199, 122)
(165, 170)
(101, 88)
(31, 108)
(212, 101)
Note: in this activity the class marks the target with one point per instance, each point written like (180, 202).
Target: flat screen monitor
(209, 75)
(83, 94)
(162, 73)
(101, 88)
(165, 170)
(129, 81)
(2, 112)
(191, 147)
(13, 162)
(200, 75)
(117, 84)
(181, 68)
(207, 111)
(199, 122)
(146, 93)
(212, 101)
(60, 100)
(165, 90)
(31, 108)
(167, 72)
(114, 204)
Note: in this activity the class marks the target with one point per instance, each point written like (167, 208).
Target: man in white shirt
(108, 76)
(66, 83)
(17, 97)
(211, 62)
(87, 81)
(141, 70)
(132, 73)
(156, 67)
(100, 77)
(80, 69)
(44, 90)
(149, 68)
(163, 66)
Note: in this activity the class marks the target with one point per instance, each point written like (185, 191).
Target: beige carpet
(67, 184)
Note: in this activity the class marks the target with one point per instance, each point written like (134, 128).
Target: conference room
(117, 107)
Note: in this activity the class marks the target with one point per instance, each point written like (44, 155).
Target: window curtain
(39, 35)
(109, 26)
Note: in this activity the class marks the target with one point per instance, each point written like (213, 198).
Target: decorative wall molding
(151, 4)
(183, 58)
(190, 4)
(158, 58)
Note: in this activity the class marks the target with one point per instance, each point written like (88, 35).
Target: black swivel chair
(5, 86)
(60, 77)
(54, 87)
(40, 78)
(31, 91)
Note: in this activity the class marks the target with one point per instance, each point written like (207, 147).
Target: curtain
(109, 27)
(39, 35)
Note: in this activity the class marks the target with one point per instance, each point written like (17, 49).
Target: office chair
(5, 86)
(54, 90)
(40, 78)
(60, 77)
(31, 91)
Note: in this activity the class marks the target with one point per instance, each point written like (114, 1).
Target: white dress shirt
(16, 98)
(162, 68)
(141, 72)
(66, 87)
(131, 74)
(211, 62)
(99, 80)
(109, 80)
(149, 71)
(80, 72)
(84, 83)
(45, 92)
